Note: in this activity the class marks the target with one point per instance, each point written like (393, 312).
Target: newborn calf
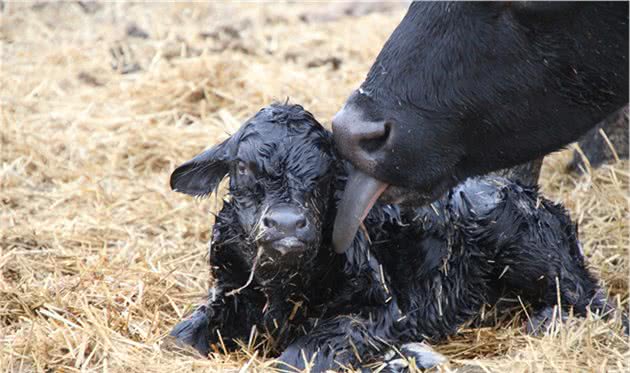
(410, 275)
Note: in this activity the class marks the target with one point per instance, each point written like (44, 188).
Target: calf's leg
(341, 341)
(230, 317)
(354, 340)
(533, 245)
(538, 255)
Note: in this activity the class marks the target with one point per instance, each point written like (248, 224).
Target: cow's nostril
(301, 223)
(376, 138)
(358, 134)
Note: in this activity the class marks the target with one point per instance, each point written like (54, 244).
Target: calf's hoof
(293, 360)
(315, 359)
(544, 321)
(422, 355)
(194, 331)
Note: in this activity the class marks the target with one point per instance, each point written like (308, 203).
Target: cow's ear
(201, 175)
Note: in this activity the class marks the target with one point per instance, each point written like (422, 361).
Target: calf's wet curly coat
(411, 275)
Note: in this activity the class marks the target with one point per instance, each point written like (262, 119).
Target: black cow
(465, 88)
(412, 275)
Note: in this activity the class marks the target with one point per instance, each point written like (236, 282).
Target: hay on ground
(99, 259)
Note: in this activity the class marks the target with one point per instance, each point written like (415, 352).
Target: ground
(99, 258)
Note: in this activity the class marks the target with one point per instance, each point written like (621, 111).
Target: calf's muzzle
(285, 229)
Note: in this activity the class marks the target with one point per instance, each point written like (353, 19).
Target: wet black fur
(422, 273)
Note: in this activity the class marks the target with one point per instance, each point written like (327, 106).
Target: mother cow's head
(461, 89)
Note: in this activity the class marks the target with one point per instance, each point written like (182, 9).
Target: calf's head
(280, 165)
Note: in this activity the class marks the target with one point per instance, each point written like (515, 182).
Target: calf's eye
(242, 168)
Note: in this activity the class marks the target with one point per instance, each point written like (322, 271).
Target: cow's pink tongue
(361, 193)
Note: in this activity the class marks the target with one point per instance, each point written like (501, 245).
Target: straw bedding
(99, 259)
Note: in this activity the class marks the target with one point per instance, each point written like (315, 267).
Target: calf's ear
(201, 175)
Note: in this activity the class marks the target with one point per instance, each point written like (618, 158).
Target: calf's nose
(287, 220)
